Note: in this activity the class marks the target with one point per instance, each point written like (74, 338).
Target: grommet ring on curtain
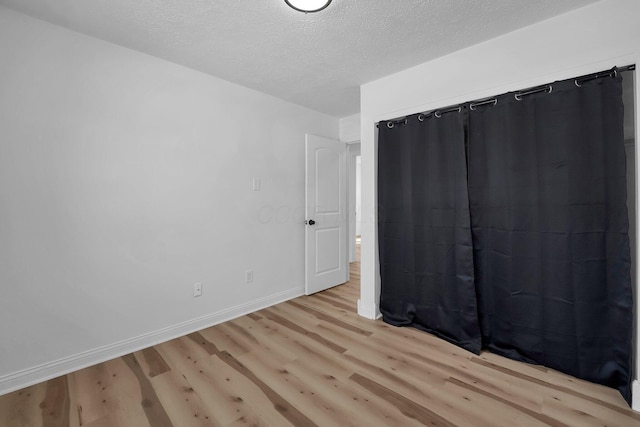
(473, 105)
(611, 73)
(421, 117)
(518, 96)
(390, 125)
(439, 113)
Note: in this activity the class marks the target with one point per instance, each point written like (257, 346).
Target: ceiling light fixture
(308, 6)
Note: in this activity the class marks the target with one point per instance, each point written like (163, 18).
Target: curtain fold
(547, 190)
(424, 233)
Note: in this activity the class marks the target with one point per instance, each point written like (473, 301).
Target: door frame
(353, 151)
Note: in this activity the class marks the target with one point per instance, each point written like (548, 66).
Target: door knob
(310, 222)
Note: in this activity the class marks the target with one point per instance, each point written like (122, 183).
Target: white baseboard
(635, 392)
(370, 312)
(46, 371)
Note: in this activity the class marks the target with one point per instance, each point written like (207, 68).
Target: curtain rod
(518, 95)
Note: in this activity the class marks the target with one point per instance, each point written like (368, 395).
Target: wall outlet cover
(197, 289)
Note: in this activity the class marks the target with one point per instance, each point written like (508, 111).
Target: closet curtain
(547, 192)
(424, 233)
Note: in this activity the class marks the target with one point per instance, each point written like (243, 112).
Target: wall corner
(370, 312)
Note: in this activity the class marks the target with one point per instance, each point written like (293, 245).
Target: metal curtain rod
(611, 73)
(438, 113)
(518, 95)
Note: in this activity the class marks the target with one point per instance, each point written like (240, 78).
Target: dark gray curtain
(424, 229)
(547, 193)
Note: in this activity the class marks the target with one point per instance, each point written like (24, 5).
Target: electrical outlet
(248, 276)
(197, 289)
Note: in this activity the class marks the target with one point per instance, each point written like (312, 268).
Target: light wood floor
(313, 361)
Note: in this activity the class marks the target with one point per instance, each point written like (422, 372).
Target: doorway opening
(354, 193)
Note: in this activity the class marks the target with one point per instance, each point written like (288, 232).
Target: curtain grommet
(474, 105)
(390, 125)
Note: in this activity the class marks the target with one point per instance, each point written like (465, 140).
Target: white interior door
(326, 254)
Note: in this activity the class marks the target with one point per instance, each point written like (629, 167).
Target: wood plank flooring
(313, 362)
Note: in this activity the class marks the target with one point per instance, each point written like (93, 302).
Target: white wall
(593, 38)
(353, 191)
(358, 195)
(124, 179)
(350, 128)
(350, 133)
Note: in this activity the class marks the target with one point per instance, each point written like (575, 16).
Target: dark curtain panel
(424, 229)
(547, 193)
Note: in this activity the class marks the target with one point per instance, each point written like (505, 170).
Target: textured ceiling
(315, 60)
